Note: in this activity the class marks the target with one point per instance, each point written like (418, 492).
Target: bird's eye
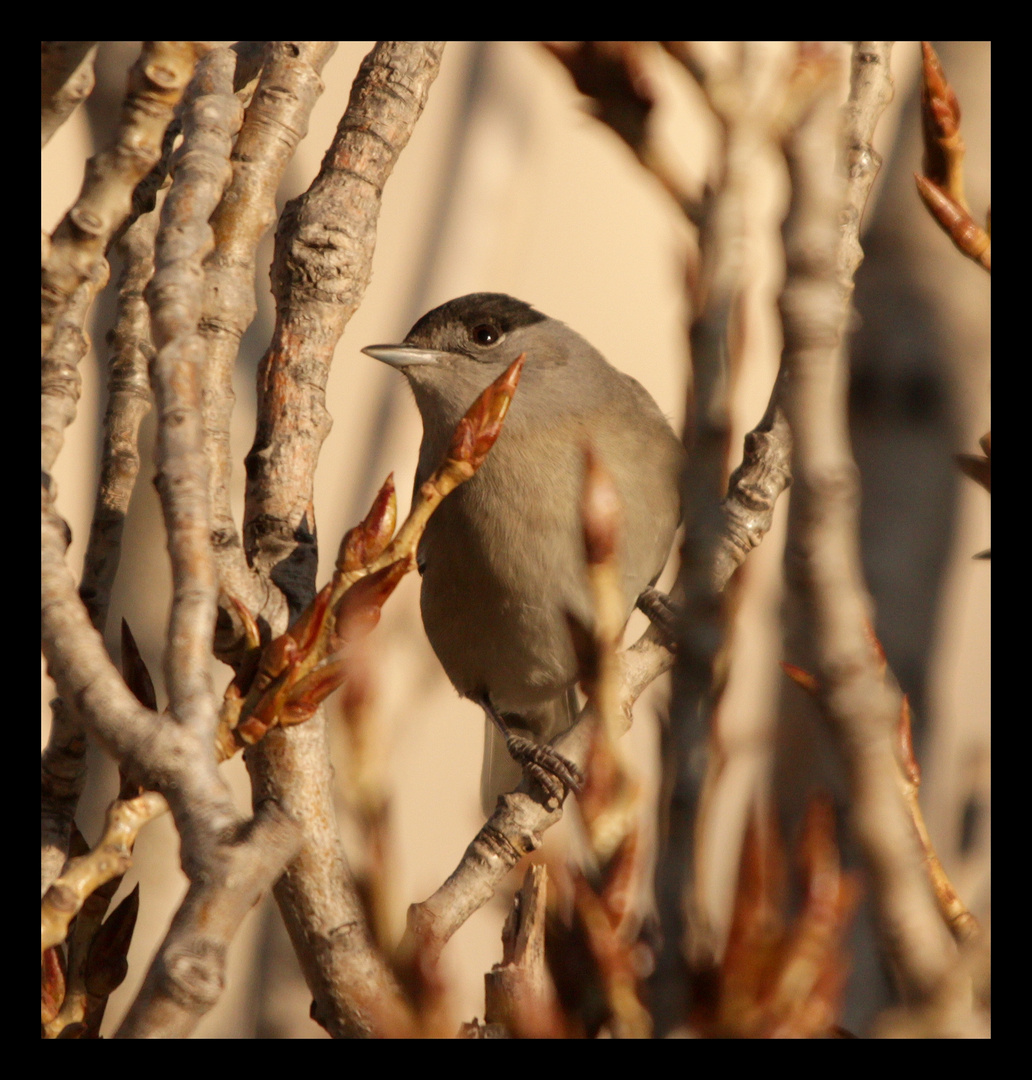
(485, 334)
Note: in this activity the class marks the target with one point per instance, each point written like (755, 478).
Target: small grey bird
(502, 558)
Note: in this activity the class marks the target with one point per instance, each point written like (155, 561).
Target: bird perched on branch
(502, 559)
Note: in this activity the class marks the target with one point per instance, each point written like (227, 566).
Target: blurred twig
(614, 76)
(962, 924)
(732, 90)
(822, 556)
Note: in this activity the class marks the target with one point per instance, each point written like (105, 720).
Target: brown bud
(940, 125)
(480, 427)
(363, 544)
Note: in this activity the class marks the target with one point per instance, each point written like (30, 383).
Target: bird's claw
(555, 774)
(661, 612)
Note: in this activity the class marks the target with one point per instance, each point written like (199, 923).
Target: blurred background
(508, 185)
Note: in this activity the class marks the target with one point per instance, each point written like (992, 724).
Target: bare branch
(962, 924)
(63, 766)
(320, 273)
(188, 974)
(212, 118)
(823, 560)
(518, 993)
(129, 401)
(276, 121)
(521, 819)
(156, 83)
(160, 755)
(163, 756)
(110, 858)
(754, 488)
(870, 93)
(614, 75)
(355, 992)
(61, 383)
(290, 646)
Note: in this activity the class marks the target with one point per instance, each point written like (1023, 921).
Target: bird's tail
(500, 773)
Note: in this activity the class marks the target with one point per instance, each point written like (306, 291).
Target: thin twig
(63, 766)
(869, 95)
(129, 401)
(156, 83)
(522, 817)
(754, 488)
(961, 923)
(614, 76)
(700, 672)
(110, 858)
(60, 382)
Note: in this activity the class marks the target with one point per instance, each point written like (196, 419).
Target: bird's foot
(661, 612)
(556, 775)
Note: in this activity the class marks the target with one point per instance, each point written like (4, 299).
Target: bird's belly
(493, 608)
(503, 560)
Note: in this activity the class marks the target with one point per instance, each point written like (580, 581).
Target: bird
(502, 558)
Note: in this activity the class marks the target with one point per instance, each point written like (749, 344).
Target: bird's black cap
(505, 312)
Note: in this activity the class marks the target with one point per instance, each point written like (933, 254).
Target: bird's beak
(403, 356)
